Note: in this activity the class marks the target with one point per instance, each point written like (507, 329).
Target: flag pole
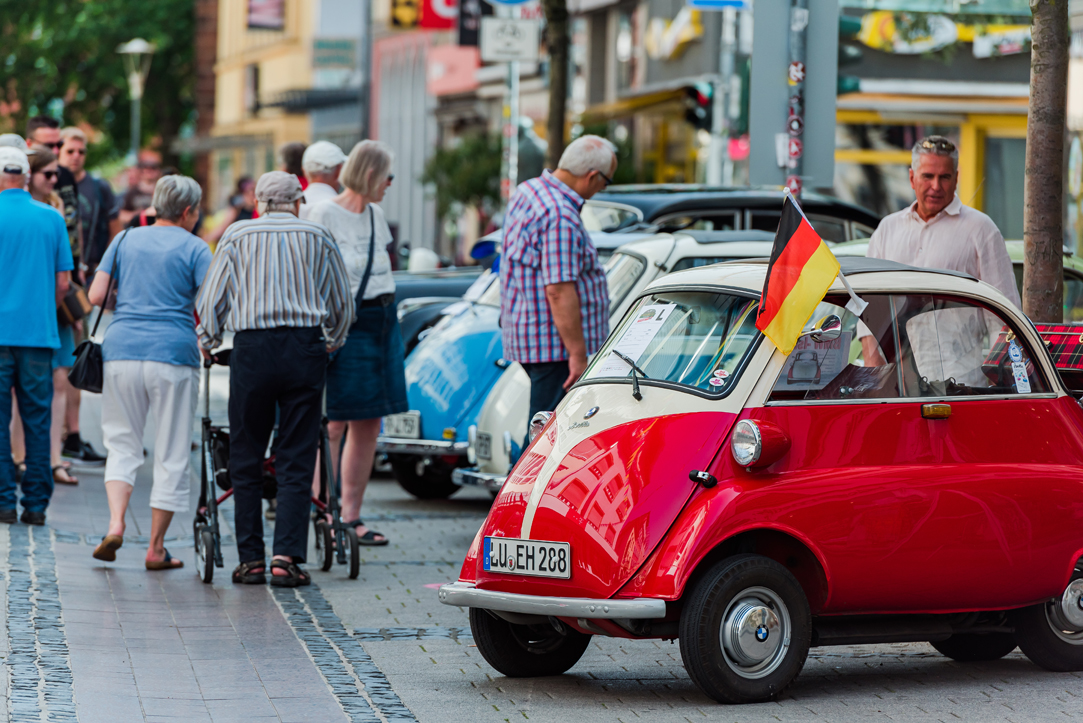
(856, 304)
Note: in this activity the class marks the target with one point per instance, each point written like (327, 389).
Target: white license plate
(528, 557)
(407, 425)
(483, 446)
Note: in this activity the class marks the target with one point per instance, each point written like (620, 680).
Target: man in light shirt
(322, 163)
(937, 231)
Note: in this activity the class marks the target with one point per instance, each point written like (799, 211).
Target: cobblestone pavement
(113, 642)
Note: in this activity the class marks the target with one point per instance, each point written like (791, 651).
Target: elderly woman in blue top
(152, 361)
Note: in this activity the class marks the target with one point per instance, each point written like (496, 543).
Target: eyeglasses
(49, 175)
(941, 144)
(607, 179)
(390, 177)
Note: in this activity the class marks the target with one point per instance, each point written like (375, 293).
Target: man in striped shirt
(279, 283)
(554, 303)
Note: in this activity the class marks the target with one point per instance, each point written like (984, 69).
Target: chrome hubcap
(755, 633)
(1065, 615)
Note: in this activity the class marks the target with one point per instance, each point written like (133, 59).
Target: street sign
(504, 41)
(718, 4)
(509, 2)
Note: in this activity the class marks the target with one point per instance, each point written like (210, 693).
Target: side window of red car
(910, 346)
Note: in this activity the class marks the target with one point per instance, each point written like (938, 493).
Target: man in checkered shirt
(554, 303)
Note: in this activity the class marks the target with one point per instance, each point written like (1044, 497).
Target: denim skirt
(367, 377)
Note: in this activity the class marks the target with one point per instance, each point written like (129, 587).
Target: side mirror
(828, 328)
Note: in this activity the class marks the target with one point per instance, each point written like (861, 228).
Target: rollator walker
(333, 538)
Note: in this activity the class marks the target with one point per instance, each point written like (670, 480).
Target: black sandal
(369, 538)
(250, 573)
(295, 577)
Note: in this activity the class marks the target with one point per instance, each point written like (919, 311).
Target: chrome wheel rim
(755, 633)
(1065, 614)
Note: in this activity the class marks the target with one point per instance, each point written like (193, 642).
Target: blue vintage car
(448, 376)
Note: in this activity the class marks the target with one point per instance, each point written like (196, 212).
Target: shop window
(1005, 163)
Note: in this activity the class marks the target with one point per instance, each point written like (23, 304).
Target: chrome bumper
(465, 594)
(420, 447)
(470, 476)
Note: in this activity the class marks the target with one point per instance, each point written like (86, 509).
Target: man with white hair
(280, 284)
(322, 164)
(554, 304)
(937, 231)
(35, 253)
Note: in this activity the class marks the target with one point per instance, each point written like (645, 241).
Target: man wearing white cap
(322, 163)
(280, 284)
(36, 257)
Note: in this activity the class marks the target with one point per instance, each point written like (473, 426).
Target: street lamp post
(137, 55)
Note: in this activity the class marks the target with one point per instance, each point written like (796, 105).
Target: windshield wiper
(635, 380)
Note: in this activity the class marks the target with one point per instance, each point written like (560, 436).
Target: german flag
(801, 271)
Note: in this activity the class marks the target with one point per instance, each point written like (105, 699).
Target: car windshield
(621, 272)
(604, 217)
(697, 339)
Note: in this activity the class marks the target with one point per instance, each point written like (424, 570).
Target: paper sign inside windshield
(812, 364)
(637, 337)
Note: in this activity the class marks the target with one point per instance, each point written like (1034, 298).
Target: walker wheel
(355, 552)
(325, 554)
(205, 555)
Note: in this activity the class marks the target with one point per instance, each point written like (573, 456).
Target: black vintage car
(670, 207)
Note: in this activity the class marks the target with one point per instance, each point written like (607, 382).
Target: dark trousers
(546, 385)
(286, 367)
(29, 371)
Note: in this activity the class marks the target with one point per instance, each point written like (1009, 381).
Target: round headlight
(746, 443)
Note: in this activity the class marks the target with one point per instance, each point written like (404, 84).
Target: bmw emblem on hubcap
(590, 412)
(762, 633)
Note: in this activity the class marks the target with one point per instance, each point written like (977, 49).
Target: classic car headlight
(746, 443)
(471, 446)
(758, 444)
(537, 424)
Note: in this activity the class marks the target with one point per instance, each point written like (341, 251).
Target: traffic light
(699, 106)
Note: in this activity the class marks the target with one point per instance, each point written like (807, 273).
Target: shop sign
(438, 14)
(267, 14)
(718, 4)
(668, 40)
(470, 14)
(404, 14)
(334, 53)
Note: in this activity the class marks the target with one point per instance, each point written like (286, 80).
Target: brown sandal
(294, 577)
(63, 477)
(169, 563)
(107, 548)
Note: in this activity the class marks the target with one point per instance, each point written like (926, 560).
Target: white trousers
(168, 391)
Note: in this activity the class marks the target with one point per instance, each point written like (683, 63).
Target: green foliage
(468, 174)
(626, 172)
(59, 57)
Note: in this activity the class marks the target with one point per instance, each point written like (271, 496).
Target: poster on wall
(267, 14)
(439, 14)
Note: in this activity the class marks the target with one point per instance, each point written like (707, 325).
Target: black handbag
(87, 373)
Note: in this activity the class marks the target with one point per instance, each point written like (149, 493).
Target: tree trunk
(1043, 194)
(556, 35)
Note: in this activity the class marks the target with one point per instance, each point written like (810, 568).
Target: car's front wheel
(423, 481)
(745, 630)
(976, 647)
(526, 651)
(1051, 633)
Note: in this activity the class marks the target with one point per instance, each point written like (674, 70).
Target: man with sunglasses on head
(938, 231)
(554, 303)
(42, 130)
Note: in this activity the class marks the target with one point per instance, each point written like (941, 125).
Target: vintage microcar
(914, 492)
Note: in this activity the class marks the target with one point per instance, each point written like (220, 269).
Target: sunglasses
(390, 177)
(50, 175)
(150, 166)
(55, 146)
(940, 144)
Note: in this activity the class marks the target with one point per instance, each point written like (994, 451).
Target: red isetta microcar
(690, 486)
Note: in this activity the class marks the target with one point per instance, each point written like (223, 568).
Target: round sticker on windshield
(721, 373)
(715, 382)
(1014, 352)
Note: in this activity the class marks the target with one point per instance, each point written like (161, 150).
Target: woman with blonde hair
(366, 378)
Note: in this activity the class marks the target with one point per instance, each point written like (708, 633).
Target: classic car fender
(710, 528)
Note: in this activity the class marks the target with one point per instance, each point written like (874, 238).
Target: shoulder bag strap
(368, 264)
(112, 281)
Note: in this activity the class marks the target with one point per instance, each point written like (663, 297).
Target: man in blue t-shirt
(36, 256)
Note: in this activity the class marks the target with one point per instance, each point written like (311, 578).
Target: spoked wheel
(1051, 634)
(976, 647)
(198, 526)
(526, 651)
(745, 631)
(205, 555)
(355, 552)
(325, 556)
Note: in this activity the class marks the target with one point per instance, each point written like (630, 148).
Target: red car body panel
(613, 497)
(980, 511)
